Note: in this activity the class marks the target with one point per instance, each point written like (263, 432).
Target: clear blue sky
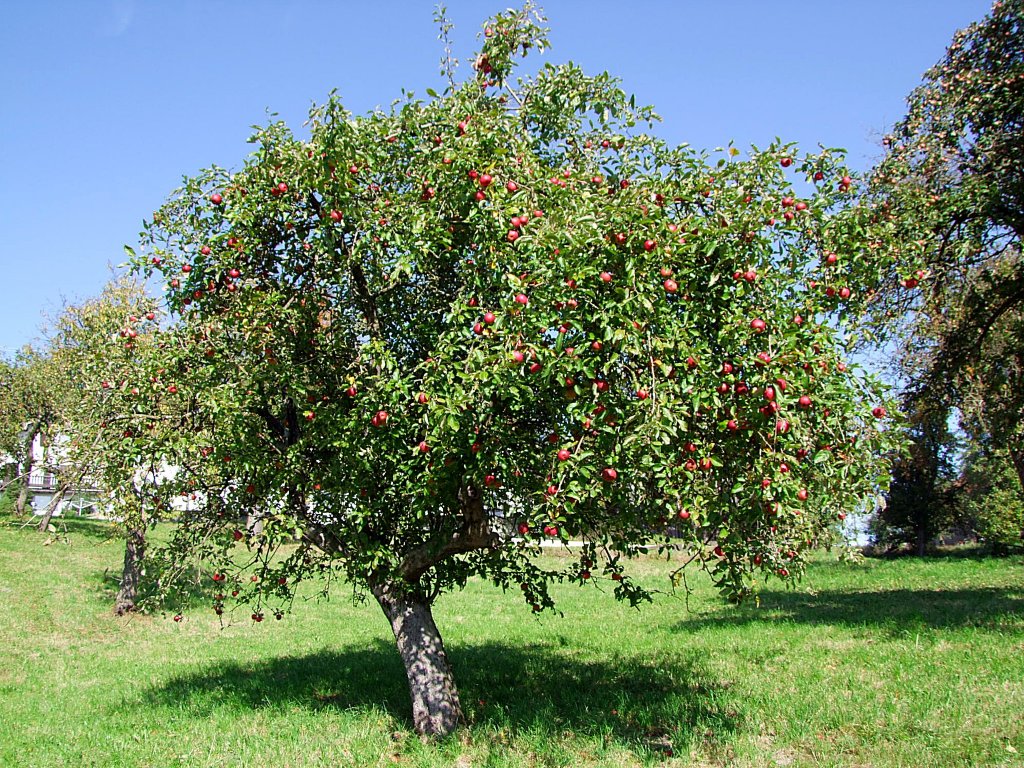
(105, 104)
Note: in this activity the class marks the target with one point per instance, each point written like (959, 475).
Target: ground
(881, 663)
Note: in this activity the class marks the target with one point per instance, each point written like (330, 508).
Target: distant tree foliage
(919, 501)
(989, 501)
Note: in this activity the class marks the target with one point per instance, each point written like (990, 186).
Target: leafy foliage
(508, 303)
(919, 502)
(989, 499)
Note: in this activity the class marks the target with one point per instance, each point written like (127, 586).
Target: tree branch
(473, 534)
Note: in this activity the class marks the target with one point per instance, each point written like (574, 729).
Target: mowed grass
(884, 663)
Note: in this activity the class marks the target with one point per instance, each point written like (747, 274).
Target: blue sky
(106, 104)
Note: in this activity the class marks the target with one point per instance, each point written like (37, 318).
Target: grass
(883, 663)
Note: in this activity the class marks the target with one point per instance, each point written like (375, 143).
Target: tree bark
(922, 540)
(436, 710)
(51, 508)
(131, 574)
(26, 472)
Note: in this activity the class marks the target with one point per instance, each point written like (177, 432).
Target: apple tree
(31, 404)
(102, 352)
(416, 343)
(951, 188)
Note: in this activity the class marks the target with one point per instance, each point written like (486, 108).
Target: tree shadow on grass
(894, 610)
(72, 527)
(187, 595)
(91, 528)
(544, 690)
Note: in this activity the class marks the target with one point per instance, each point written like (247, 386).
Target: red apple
(671, 286)
(564, 454)
(609, 475)
(758, 325)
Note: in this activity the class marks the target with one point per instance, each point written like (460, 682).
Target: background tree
(103, 349)
(504, 307)
(952, 186)
(919, 502)
(31, 403)
(989, 500)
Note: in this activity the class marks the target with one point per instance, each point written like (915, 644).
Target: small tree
(423, 340)
(103, 349)
(990, 501)
(31, 404)
(919, 502)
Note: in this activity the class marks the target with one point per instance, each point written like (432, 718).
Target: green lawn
(885, 663)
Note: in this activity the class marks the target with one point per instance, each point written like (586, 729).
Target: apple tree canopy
(421, 340)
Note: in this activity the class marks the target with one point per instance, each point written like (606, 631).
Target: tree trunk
(253, 524)
(134, 550)
(58, 497)
(20, 504)
(435, 701)
(26, 472)
(922, 540)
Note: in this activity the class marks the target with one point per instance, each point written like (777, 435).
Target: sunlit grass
(884, 663)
